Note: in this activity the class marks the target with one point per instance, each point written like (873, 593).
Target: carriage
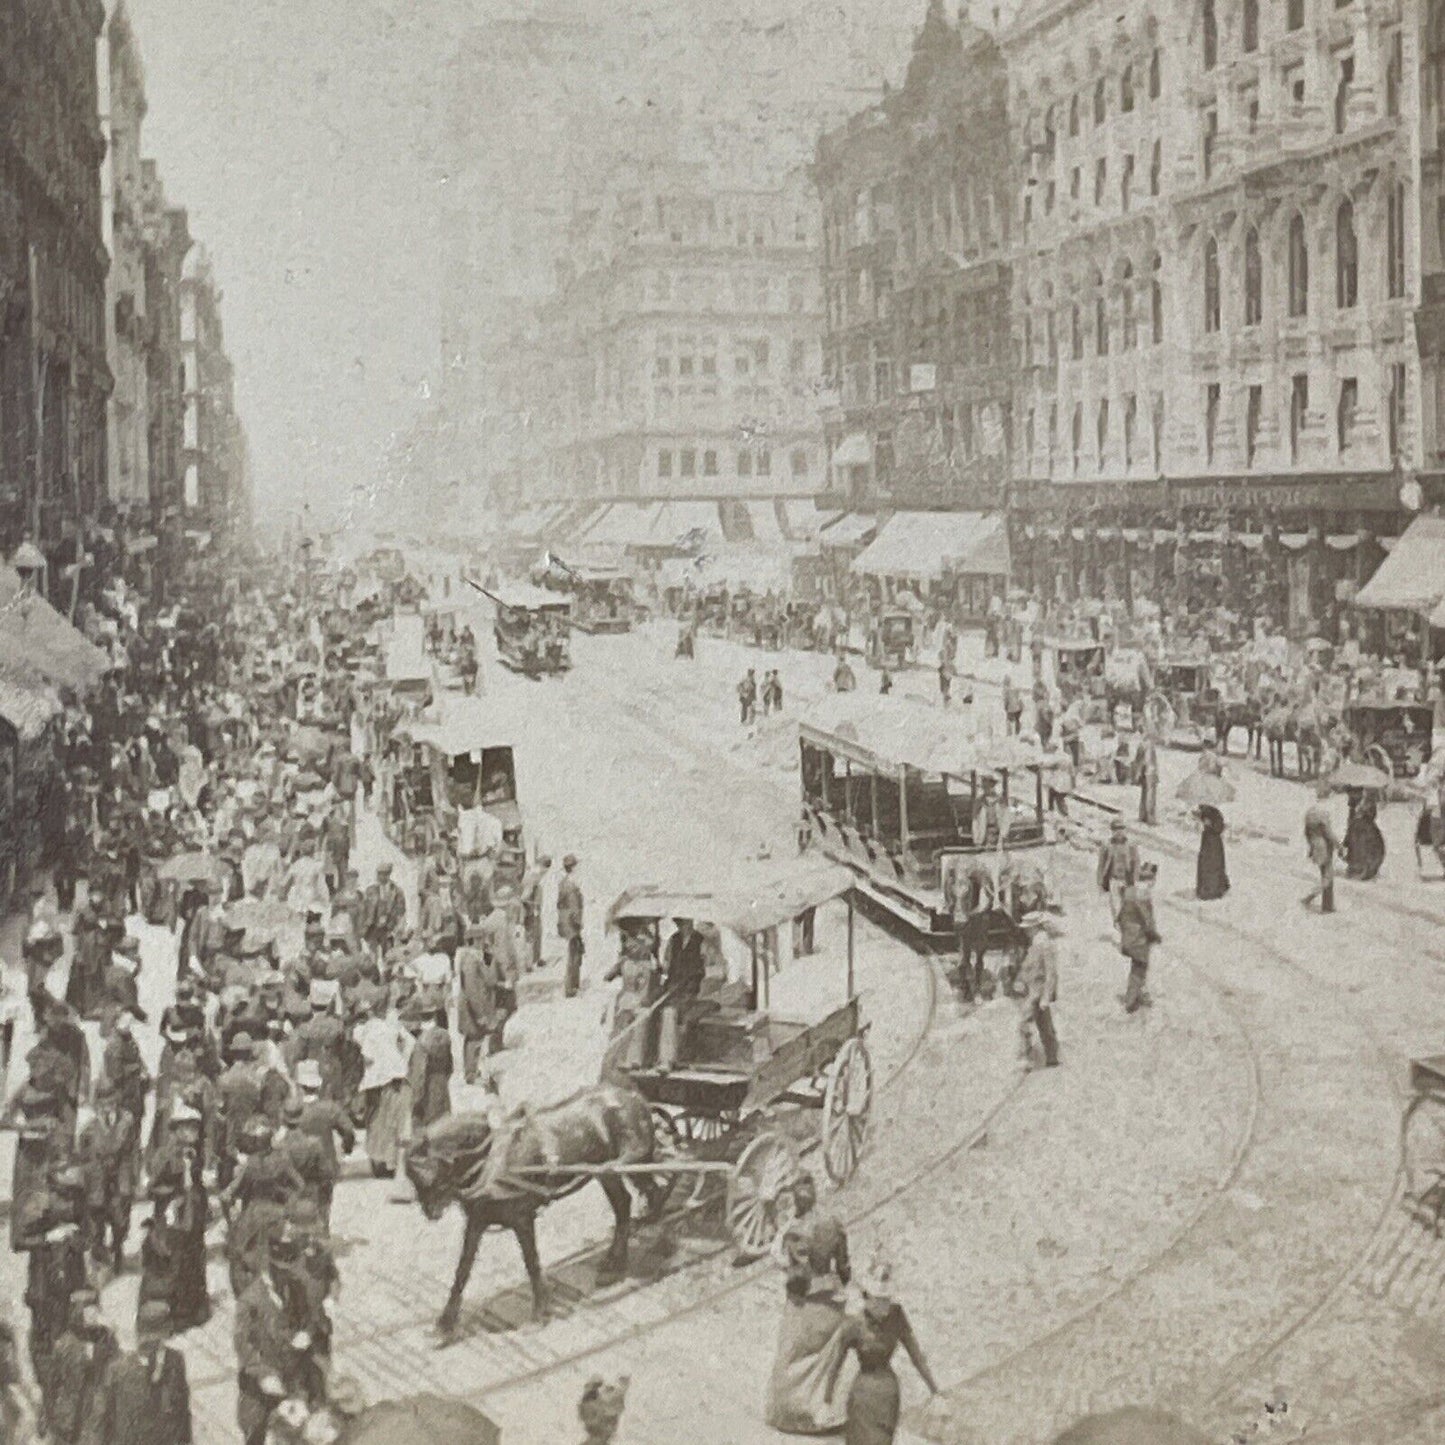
(733, 1075)
(443, 772)
(1187, 685)
(602, 599)
(893, 791)
(1076, 666)
(1395, 737)
(531, 629)
(892, 638)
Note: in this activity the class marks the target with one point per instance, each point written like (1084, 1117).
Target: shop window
(1211, 285)
(1211, 420)
(1209, 35)
(1253, 280)
(1299, 405)
(664, 463)
(1347, 257)
(1249, 26)
(1345, 413)
(1253, 406)
(1299, 267)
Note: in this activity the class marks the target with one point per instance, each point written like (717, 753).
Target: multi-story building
(1214, 282)
(53, 375)
(918, 355)
(681, 356)
(167, 244)
(213, 456)
(123, 108)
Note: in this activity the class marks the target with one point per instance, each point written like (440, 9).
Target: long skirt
(1211, 877)
(809, 1341)
(873, 1408)
(387, 1111)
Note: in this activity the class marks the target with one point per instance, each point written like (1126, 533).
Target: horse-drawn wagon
(1395, 737)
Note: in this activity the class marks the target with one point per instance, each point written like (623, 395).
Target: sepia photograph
(722, 721)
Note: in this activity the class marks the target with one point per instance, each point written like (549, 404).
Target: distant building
(53, 374)
(127, 333)
(680, 357)
(916, 197)
(1214, 290)
(167, 244)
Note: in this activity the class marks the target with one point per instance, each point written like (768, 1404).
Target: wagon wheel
(683, 1187)
(847, 1105)
(708, 1128)
(760, 1196)
(1377, 757)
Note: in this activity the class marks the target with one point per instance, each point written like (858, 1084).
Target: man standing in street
(144, 1397)
(533, 881)
(1039, 977)
(1138, 933)
(477, 1008)
(383, 911)
(1323, 845)
(1118, 865)
(569, 923)
(1146, 772)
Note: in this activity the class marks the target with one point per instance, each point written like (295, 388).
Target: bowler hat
(153, 1321)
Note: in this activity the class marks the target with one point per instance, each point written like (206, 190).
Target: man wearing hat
(569, 923)
(322, 1038)
(238, 1098)
(336, 844)
(109, 1153)
(478, 1008)
(327, 1123)
(41, 951)
(1118, 865)
(383, 911)
(346, 910)
(533, 881)
(266, 1352)
(144, 1396)
(1138, 933)
(177, 1184)
(429, 1069)
(122, 1065)
(1039, 978)
(118, 986)
(302, 1151)
(55, 1270)
(79, 1360)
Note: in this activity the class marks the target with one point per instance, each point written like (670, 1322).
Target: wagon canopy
(456, 737)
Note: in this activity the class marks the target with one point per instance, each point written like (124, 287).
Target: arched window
(1253, 280)
(1076, 333)
(1101, 103)
(1211, 285)
(1073, 115)
(1126, 90)
(1126, 306)
(1101, 317)
(1299, 268)
(1347, 257)
(1156, 302)
(1209, 34)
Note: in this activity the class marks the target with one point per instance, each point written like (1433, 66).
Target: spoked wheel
(760, 1197)
(847, 1107)
(708, 1128)
(1422, 1159)
(684, 1187)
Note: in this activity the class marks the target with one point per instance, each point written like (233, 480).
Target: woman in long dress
(1364, 843)
(815, 1254)
(1211, 877)
(874, 1400)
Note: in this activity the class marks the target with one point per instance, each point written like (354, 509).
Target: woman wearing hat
(874, 1401)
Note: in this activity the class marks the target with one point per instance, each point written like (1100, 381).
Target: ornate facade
(918, 359)
(1217, 268)
(53, 375)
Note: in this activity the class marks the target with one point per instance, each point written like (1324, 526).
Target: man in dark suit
(144, 1396)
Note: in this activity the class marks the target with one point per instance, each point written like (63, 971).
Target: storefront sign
(1353, 493)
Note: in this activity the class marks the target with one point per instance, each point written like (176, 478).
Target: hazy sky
(297, 133)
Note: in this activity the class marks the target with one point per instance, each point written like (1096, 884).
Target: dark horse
(502, 1178)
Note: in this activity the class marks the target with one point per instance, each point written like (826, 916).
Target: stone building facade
(917, 199)
(54, 380)
(680, 356)
(123, 108)
(167, 244)
(1214, 286)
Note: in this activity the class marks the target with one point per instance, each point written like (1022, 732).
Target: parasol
(1132, 1426)
(192, 868)
(1205, 790)
(1358, 775)
(420, 1420)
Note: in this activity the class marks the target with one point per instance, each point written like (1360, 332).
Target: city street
(1197, 1208)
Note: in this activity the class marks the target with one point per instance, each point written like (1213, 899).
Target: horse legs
(472, 1237)
(524, 1226)
(614, 1265)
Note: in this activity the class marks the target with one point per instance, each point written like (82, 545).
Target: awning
(804, 519)
(1343, 541)
(623, 524)
(27, 705)
(855, 450)
(1294, 541)
(921, 545)
(767, 530)
(1412, 577)
(36, 639)
(688, 524)
(851, 530)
